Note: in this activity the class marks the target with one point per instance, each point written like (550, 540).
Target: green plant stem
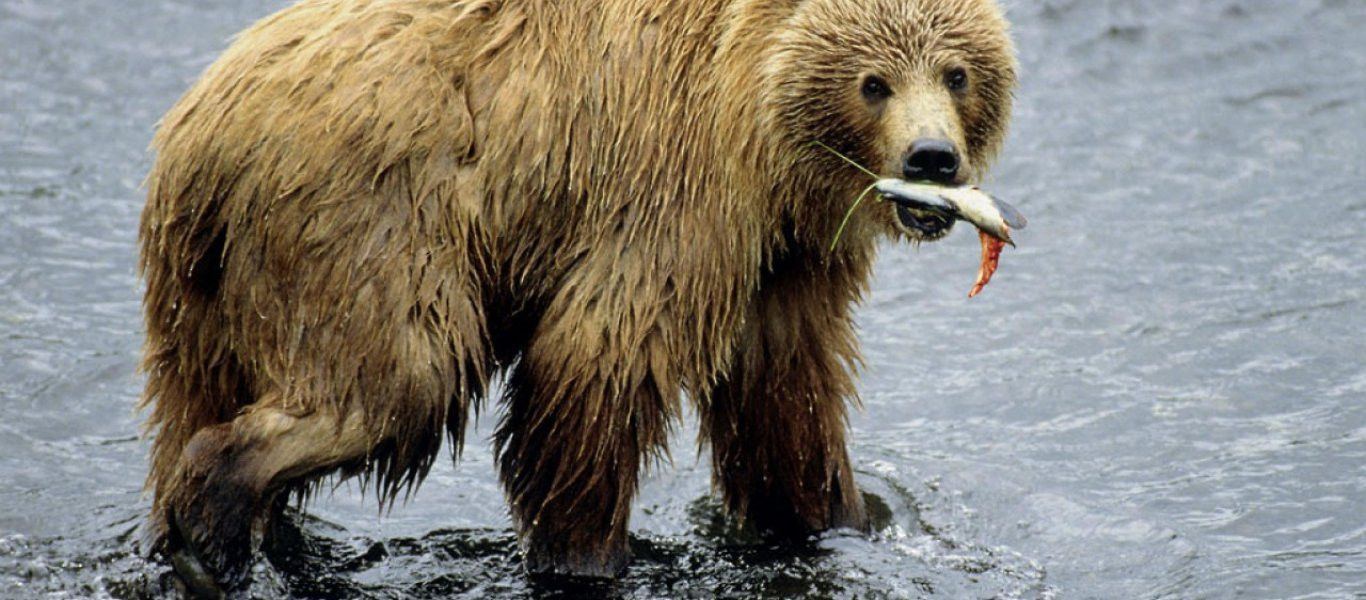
(858, 201)
(845, 158)
(850, 213)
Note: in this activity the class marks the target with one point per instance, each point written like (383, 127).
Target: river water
(1161, 395)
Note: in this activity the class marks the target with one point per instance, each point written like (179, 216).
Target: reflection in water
(1158, 397)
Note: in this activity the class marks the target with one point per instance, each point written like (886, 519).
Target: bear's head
(914, 89)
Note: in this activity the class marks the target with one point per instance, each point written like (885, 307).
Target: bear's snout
(931, 159)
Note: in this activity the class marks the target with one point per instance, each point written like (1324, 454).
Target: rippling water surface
(1161, 395)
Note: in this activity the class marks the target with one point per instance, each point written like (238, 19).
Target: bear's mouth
(925, 224)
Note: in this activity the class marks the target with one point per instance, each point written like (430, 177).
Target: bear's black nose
(931, 159)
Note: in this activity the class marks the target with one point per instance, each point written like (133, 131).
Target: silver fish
(968, 203)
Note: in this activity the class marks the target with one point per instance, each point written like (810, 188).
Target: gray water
(1159, 396)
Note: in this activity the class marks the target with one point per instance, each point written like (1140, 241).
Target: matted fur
(367, 208)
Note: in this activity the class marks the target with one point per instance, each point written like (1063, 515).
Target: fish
(992, 217)
(967, 203)
(991, 257)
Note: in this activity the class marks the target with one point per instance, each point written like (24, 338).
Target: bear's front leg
(590, 398)
(777, 421)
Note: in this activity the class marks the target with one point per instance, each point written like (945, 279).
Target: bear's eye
(875, 89)
(956, 79)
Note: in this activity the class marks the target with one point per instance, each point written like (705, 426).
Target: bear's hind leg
(569, 466)
(229, 475)
(587, 404)
(777, 421)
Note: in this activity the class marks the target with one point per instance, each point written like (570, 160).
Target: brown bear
(365, 210)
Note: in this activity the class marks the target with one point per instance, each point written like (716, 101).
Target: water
(1160, 395)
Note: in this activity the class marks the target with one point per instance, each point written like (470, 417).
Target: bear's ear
(771, 12)
(749, 24)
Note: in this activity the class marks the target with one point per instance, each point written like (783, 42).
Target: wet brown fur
(366, 209)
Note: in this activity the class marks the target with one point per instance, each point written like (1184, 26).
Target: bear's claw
(192, 559)
(197, 580)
